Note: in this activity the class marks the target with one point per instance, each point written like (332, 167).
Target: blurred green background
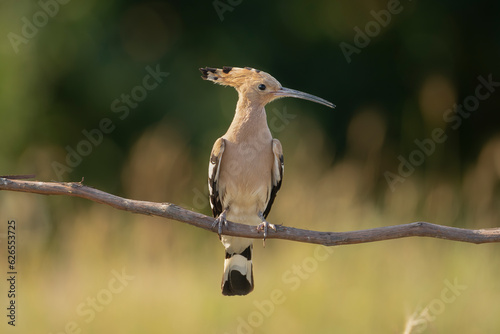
(73, 68)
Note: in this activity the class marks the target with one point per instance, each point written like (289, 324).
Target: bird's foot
(219, 221)
(265, 226)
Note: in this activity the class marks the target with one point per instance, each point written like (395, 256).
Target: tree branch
(171, 211)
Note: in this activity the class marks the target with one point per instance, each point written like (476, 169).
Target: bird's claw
(219, 221)
(265, 226)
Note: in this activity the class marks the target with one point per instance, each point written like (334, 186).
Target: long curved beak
(287, 92)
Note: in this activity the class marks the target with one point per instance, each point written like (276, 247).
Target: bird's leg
(264, 226)
(219, 221)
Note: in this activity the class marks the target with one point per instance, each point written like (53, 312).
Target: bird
(246, 168)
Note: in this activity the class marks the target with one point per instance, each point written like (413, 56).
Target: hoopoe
(246, 167)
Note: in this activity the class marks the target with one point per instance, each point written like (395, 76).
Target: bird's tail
(238, 273)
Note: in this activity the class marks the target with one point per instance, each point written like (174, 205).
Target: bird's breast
(245, 176)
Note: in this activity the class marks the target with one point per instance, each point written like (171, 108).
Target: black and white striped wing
(213, 177)
(276, 175)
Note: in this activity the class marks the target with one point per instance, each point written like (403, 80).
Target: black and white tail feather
(238, 273)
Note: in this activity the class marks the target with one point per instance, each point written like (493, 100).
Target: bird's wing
(277, 174)
(213, 176)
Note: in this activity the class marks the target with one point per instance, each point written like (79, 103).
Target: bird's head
(256, 86)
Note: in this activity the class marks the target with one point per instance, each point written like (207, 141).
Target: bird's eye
(262, 87)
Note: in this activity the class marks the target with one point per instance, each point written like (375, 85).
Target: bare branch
(171, 211)
(18, 176)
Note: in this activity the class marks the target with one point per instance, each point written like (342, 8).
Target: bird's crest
(234, 76)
